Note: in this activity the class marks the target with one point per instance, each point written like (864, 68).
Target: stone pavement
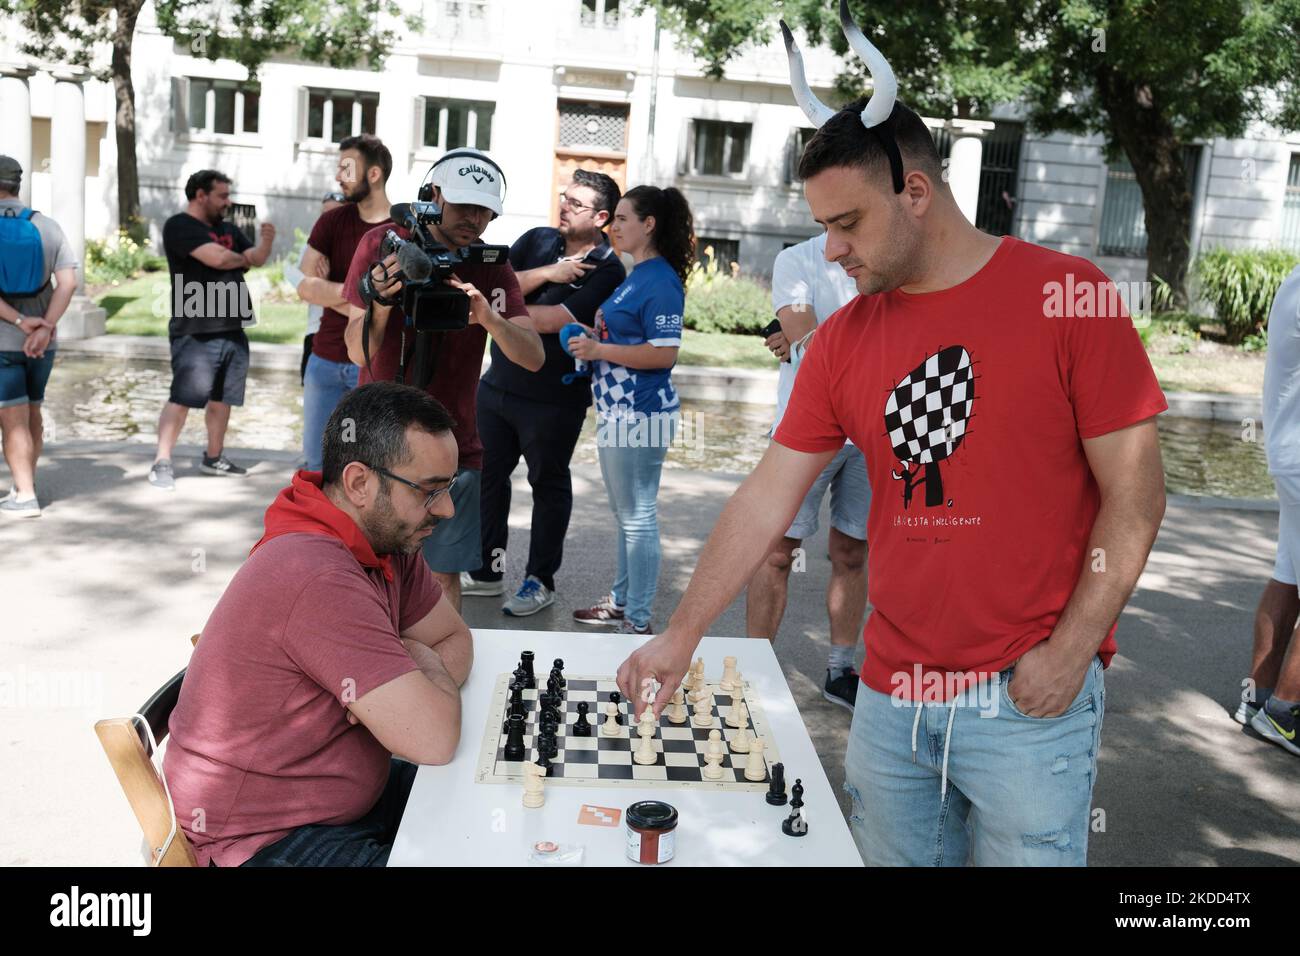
(103, 591)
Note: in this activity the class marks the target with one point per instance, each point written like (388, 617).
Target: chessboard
(606, 761)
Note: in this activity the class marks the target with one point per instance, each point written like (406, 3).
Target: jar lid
(652, 815)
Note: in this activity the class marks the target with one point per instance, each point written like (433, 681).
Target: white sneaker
(472, 588)
(531, 597)
(11, 507)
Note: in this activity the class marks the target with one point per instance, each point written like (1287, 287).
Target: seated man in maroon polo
(332, 664)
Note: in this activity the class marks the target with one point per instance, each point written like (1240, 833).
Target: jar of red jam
(651, 831)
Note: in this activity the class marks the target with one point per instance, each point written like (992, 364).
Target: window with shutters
(334, 115)
(217, 106)
(451, 124)
(799, 140)
(1291, 206)
(599, 13)
(719, 148)
(1123, 215)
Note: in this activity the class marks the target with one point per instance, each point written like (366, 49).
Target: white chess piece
(645, 753)
(677, 709)
(737, 714)
(703, 711)
(713, 755)
(534, 785)
(700, 693)
(756, 766)
(646, 728)
(610, 727)
(695, 676)
(740, 742)
(728, 682)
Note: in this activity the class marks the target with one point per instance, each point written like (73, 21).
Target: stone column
(964, 163)
(16, 108)
(68, 188)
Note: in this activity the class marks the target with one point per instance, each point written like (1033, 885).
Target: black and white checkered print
(927, 412)
(679, 748)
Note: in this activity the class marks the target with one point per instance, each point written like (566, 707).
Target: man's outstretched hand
(664, 658)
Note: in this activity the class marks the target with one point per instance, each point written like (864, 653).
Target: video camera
(429, 304)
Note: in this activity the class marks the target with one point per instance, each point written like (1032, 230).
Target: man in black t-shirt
(565, 274)
(210, 308)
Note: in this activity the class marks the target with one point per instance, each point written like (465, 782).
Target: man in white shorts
(1270, 700)
(806, 290)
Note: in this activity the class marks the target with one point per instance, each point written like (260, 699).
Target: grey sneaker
(223, 466)
(161, 477)
(531, 597)
(1278, 728)
(11, 507)
(472, 588)
(627, 627)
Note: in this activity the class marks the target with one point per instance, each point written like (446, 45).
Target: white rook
(964, 163)
(16, 108)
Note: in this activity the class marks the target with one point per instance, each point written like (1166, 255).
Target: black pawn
(776, 792)
(557, 668)
(582, 727)
(617, 698)
(515, 738)
(796, 825)
(526, 662)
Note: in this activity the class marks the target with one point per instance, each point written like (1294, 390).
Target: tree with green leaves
(340, 33)
(1151, 76)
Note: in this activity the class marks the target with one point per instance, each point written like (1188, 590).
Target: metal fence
(995, 207)
(1123, 215)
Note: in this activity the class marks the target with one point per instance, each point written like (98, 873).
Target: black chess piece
(776, 792)
(526, 662)
(553, 686)
(582, 726)
(617, 699)
(515, 737)
(544, 761)
(796, 824)
(557, 668)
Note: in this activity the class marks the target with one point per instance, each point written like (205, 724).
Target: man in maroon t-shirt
(468, 185)
(330, 652)
(364, 166)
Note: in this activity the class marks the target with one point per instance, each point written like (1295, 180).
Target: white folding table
(452, 820)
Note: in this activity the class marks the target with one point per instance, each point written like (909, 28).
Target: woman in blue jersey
(638, 333)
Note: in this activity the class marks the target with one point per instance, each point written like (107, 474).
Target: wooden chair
(126, 742)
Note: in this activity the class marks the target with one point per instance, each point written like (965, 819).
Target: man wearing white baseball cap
(469, 187)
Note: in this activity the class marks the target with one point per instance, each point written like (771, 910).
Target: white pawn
(677, 709)
(610, 727)
(534, 785)
(740, 743)
(756, 766)
(645, 753)
(646, 728)
(729, 675)
(737, 714)
(713, 754)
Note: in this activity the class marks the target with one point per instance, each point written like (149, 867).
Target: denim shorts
(209, 368)
(846, 477)
(22, 379)
(1012, 791)
(454, 545)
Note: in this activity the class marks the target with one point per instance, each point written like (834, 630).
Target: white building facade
(549, 85)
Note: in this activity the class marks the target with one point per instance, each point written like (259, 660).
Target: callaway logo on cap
(469, 177)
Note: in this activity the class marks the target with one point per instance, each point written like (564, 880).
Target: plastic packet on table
(546, 853)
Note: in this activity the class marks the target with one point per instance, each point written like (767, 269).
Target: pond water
(116, 399)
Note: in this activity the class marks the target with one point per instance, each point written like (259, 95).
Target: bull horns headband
(879, 109)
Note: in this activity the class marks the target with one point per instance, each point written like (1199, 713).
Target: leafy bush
(720, 300)
(1240, 285)
(118, 258)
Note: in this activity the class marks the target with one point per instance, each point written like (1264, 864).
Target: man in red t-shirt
(330, 652)
(1005, 407)
(364, 166)
(469, 186)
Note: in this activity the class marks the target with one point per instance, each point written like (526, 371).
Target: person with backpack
(38, 276)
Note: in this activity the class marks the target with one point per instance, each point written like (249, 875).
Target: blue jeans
(367, 842)
(631, 469)
(323, 386)
(1019, 789)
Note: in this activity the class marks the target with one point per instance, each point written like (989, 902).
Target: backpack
(22, 267)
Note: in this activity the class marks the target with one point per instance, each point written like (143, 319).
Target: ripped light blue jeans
(935, 784)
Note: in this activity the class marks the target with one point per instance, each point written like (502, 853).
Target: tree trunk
(1149, 142)
(128, 175)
